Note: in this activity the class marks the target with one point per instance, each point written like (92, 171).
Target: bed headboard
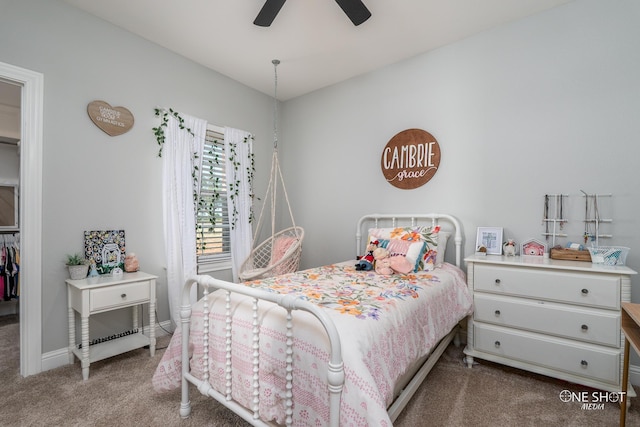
(446, 222)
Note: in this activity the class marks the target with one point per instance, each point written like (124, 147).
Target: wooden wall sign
(113, 120)
(410, 159)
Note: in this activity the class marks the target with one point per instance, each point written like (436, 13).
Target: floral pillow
(425, 234)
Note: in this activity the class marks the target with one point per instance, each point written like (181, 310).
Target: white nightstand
(100, 294)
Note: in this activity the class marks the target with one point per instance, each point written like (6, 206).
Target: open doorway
(10, 101)
(30, 85)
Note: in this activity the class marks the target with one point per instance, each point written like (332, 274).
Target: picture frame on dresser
(491, 239)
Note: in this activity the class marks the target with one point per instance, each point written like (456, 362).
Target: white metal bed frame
(335, 373)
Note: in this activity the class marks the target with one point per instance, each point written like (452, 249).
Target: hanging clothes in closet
(10, 268)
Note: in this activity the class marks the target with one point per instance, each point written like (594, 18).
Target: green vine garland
(232, 187)
(159, 131)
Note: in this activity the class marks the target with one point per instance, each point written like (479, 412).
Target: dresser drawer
(596, 290)
(589, 361)
(589, 325)
(119, 295)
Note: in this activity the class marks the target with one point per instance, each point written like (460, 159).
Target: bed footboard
(335, 374)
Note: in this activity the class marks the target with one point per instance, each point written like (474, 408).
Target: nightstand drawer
(589, 325)
(596, 290)
(584, 360)
(119, 295)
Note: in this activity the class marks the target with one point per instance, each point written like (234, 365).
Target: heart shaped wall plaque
(112, 120)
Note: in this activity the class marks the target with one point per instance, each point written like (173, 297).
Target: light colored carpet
(119, 393)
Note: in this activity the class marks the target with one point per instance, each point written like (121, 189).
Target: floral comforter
(385, 324)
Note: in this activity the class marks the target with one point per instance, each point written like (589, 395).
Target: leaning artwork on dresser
(553, 317)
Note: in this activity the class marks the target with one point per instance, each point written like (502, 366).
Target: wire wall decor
(592, 218)
(555, 217)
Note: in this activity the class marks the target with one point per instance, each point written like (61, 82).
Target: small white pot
(78, 271)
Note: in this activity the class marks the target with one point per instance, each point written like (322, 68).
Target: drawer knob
(585, 291)
(584, 363)
(497, 281)
(497, 344)
(123, 296)
(497, 312)
(585, 327)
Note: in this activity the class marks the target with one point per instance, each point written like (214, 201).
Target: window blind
(212, 221)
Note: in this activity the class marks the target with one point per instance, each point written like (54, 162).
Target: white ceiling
(314, 40)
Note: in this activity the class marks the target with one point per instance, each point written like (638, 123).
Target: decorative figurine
(116, 273)
(509, 247)
(131, 263)
(93, 272)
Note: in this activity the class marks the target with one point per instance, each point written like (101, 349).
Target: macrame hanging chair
(279, 253)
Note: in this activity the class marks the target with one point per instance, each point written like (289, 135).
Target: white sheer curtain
(180, 152)
(238, 147)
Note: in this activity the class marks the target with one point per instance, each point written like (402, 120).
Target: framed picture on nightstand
(491, 239)
(533, 247)
(106, 248)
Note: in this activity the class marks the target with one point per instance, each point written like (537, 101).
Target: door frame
(31, 132)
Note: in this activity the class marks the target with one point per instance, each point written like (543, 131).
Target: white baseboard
(57, 358)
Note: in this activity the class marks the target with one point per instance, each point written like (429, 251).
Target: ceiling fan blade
(355, 10)
(268, 12)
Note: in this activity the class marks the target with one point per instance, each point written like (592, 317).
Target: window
(212, 221)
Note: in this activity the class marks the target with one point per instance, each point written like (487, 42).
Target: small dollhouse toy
(533, 247)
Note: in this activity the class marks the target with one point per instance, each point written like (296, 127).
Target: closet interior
(9, 273)
(10, 101)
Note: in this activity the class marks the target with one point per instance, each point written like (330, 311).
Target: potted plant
(78, 266)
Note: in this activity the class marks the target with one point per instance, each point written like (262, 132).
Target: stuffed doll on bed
(386, 263)
(365, 263)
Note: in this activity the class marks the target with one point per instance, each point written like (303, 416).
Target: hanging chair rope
(276, 173)
(280, 253)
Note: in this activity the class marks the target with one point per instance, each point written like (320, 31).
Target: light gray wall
(9, 164)
(94, 181)
(9, 129)
(544, 105)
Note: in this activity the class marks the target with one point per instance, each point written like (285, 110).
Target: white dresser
(105, 293)
(552, 317)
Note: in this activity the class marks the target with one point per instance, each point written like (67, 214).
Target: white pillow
(443, 237)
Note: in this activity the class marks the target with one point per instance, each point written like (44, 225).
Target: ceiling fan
(354, 9)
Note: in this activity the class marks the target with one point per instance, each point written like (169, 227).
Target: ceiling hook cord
(275, 63)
